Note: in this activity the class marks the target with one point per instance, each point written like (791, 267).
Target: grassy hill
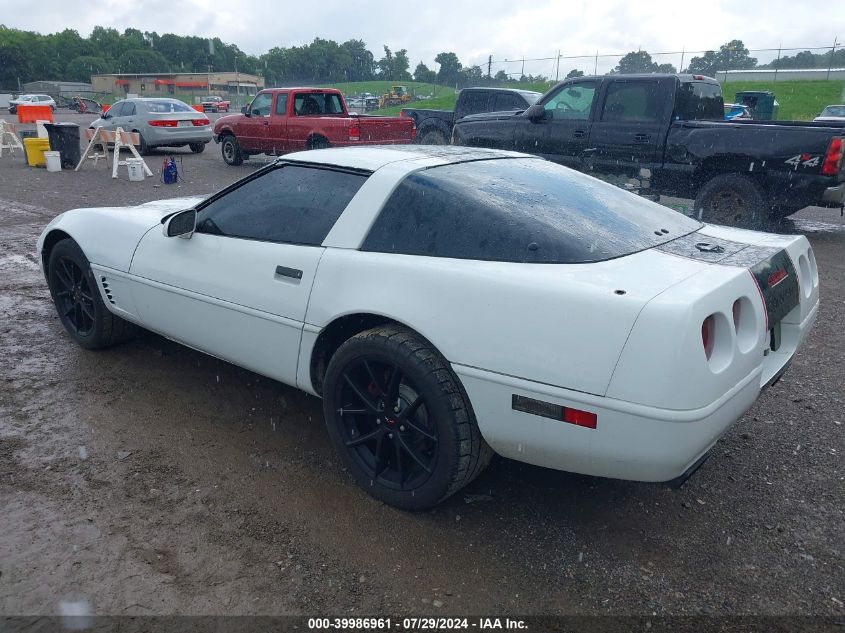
(799, 100)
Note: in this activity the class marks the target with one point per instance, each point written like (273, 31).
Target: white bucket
(136, 169)
(54, 161)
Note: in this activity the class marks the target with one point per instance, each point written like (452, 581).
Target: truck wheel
(317, 142)
(732, 200)
(231, 150)
(433, 137)
(400, 419)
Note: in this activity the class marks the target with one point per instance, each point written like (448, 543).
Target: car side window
(117, 109)
(476, 102)
(572, 101)
(128, 109)
(632, 101)
(507, 101)
(290, 204)
(261, 104)
(282, 104)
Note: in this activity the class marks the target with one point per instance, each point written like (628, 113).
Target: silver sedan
(160, 122)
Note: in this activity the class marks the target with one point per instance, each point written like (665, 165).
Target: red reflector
(580, 418)
(833, 158)
(199, 122)
(162, 123)
(698, 77)
(402, 113)
(776, 277)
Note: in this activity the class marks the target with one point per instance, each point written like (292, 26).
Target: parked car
(734, 111)
(42, 100)
(670, 130)
(450, 302)
(281, 120)
(160, 122)
(832, 114)
(214, 103)
(434, 127)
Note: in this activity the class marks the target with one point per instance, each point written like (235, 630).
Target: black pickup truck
(669, 131)
(434, 127)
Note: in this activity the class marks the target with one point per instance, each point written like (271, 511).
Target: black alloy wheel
(385, 423)
(399, 418)
(73, 296)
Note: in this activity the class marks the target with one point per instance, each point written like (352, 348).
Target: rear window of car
(160, 107)
(519, 210)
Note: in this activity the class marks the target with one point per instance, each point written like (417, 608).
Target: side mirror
(535, 112)
(181, 224)
(245, 110)
(105, 115)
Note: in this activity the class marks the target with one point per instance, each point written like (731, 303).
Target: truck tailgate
(386, 130)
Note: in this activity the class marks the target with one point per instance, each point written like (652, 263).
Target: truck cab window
(632, 101)
(261, 104)
(572, 101)
(281, 104)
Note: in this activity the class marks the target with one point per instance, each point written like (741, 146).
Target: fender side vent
(107, 289)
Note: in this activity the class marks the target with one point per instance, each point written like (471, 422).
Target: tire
(433, 137)
(317, 142)
(78, 302)
(13, 109)
(418, 454)
(231, 150)
(143, 148)
(52, 108)
(732, 200)
(197, 148)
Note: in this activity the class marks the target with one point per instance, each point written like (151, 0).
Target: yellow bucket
(35, 148)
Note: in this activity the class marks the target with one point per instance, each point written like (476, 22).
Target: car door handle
(266, 122)
(642, 138)
(579, 134)
(284, 271)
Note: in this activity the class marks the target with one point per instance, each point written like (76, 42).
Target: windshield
(834, 111)
(519, 210)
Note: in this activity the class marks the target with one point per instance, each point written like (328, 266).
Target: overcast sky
(505, 29)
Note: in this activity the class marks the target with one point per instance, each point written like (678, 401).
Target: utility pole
(780, 45)
(489, 65)
(832, 51)
(681, 67)
(596, 67)
(557, 66)
(523, 66)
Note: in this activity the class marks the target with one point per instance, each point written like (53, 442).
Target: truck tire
(432, 137)
(231, 150)
(732, 200)
(317, 142)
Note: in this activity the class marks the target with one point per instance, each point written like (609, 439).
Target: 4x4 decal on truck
(804, 160)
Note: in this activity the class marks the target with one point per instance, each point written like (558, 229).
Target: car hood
(108, 235)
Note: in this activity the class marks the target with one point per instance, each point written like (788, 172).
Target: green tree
(81, 68)
(142, 60)
(704, 65)
(450, 68)
(574, 73)
(734, 56)
(635, 62)
(424, 74)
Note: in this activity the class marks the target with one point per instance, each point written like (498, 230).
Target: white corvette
(449, 301)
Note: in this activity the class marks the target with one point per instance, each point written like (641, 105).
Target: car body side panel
(563, 325)
(108, 235)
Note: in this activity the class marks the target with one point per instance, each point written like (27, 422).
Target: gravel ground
(150, 479)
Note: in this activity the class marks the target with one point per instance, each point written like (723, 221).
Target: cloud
(473, 30)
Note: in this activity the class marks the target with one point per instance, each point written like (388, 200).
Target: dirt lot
(151, 479)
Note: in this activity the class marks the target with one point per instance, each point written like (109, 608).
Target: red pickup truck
(281, 120)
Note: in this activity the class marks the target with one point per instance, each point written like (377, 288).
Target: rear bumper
(630, 441)
(176, 136)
